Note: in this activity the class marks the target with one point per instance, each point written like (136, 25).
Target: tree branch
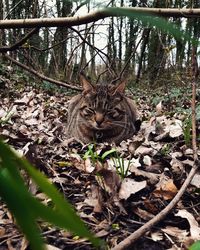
(41, 76)
(20, 42)
(95, 16)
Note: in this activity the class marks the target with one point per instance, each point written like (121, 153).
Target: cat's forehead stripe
(102, 96)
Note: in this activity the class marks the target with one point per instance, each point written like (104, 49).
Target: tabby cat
(101, 113)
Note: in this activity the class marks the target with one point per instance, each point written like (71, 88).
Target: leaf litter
(114, 195)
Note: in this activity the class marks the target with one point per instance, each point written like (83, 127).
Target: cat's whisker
(121, 124)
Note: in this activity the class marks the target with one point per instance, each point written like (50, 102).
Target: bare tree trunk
(120, 30)
(145, 41)
(2, 34)
(91, 40)
(130, 43)
(60, 37)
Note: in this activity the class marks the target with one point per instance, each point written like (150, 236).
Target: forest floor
(134, 182)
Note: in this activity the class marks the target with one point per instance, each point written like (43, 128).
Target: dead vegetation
(115, 190)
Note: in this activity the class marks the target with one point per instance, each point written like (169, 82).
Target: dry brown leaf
(151, 205)
(175, 129)
(89, 166)
(194, 227)
(2, 231)
(147, 160)
(102, 233)
(24, 244)
(129, 186)
(153, 178)
(94, 199)
(156, 236)
(51, 247)
(180, 234)
(165, 189)
(177, 166)
(109, 180)
(28, 96)
(143, 214)
(159, 108)
(188, 162)
(196, 180)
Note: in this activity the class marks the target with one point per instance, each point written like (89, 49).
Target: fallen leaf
(196, 180)
(194, 227)
(165, 188)
(143, 214)
(129, 186)
(159, 108)
(2, 231)
(89, 166)
(51, 247)
(109, 180)
(94, 199)
(180, 234)
(147, 160)
(156, 236)
(177, 166)
(175, 129)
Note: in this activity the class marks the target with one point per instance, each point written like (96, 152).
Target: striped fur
(101, 114)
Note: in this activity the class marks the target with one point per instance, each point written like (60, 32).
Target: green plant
(91, 153)
(187, 127)
(195, 246)
(5, 119)
(27, 209)
(165, 149)
(97, 156)
(122, 166)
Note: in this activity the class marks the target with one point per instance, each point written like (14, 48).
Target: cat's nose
(99, 118)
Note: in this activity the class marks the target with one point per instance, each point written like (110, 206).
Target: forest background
(107, 49)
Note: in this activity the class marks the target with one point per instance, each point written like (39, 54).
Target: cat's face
(101, 107)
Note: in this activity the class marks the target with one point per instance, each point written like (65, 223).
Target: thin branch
(41, 76)
(20, 42)
(93, 47)
(127, 62)
(13, 8)
(95, 16)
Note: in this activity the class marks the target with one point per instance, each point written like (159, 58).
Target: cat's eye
(87, 111)
(115, 114)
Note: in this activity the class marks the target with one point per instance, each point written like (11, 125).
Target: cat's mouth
(99, 135)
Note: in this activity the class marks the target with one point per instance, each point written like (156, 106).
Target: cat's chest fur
(101, 113)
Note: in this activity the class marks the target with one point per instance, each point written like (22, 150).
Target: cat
(102, 113)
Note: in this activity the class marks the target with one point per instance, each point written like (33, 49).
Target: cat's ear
(87, 86)
(120, 88)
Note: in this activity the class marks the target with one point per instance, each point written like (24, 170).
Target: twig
(138, 233)
(20, 42)
(41, 76)
(13, 8)
(93, 47)
(127, 62)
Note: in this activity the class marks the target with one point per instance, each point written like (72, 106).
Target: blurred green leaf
(195, 246)
(152, 21)
(109, 152)
(26, 209)
(19, 202)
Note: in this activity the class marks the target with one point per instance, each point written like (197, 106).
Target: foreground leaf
(27, 209)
